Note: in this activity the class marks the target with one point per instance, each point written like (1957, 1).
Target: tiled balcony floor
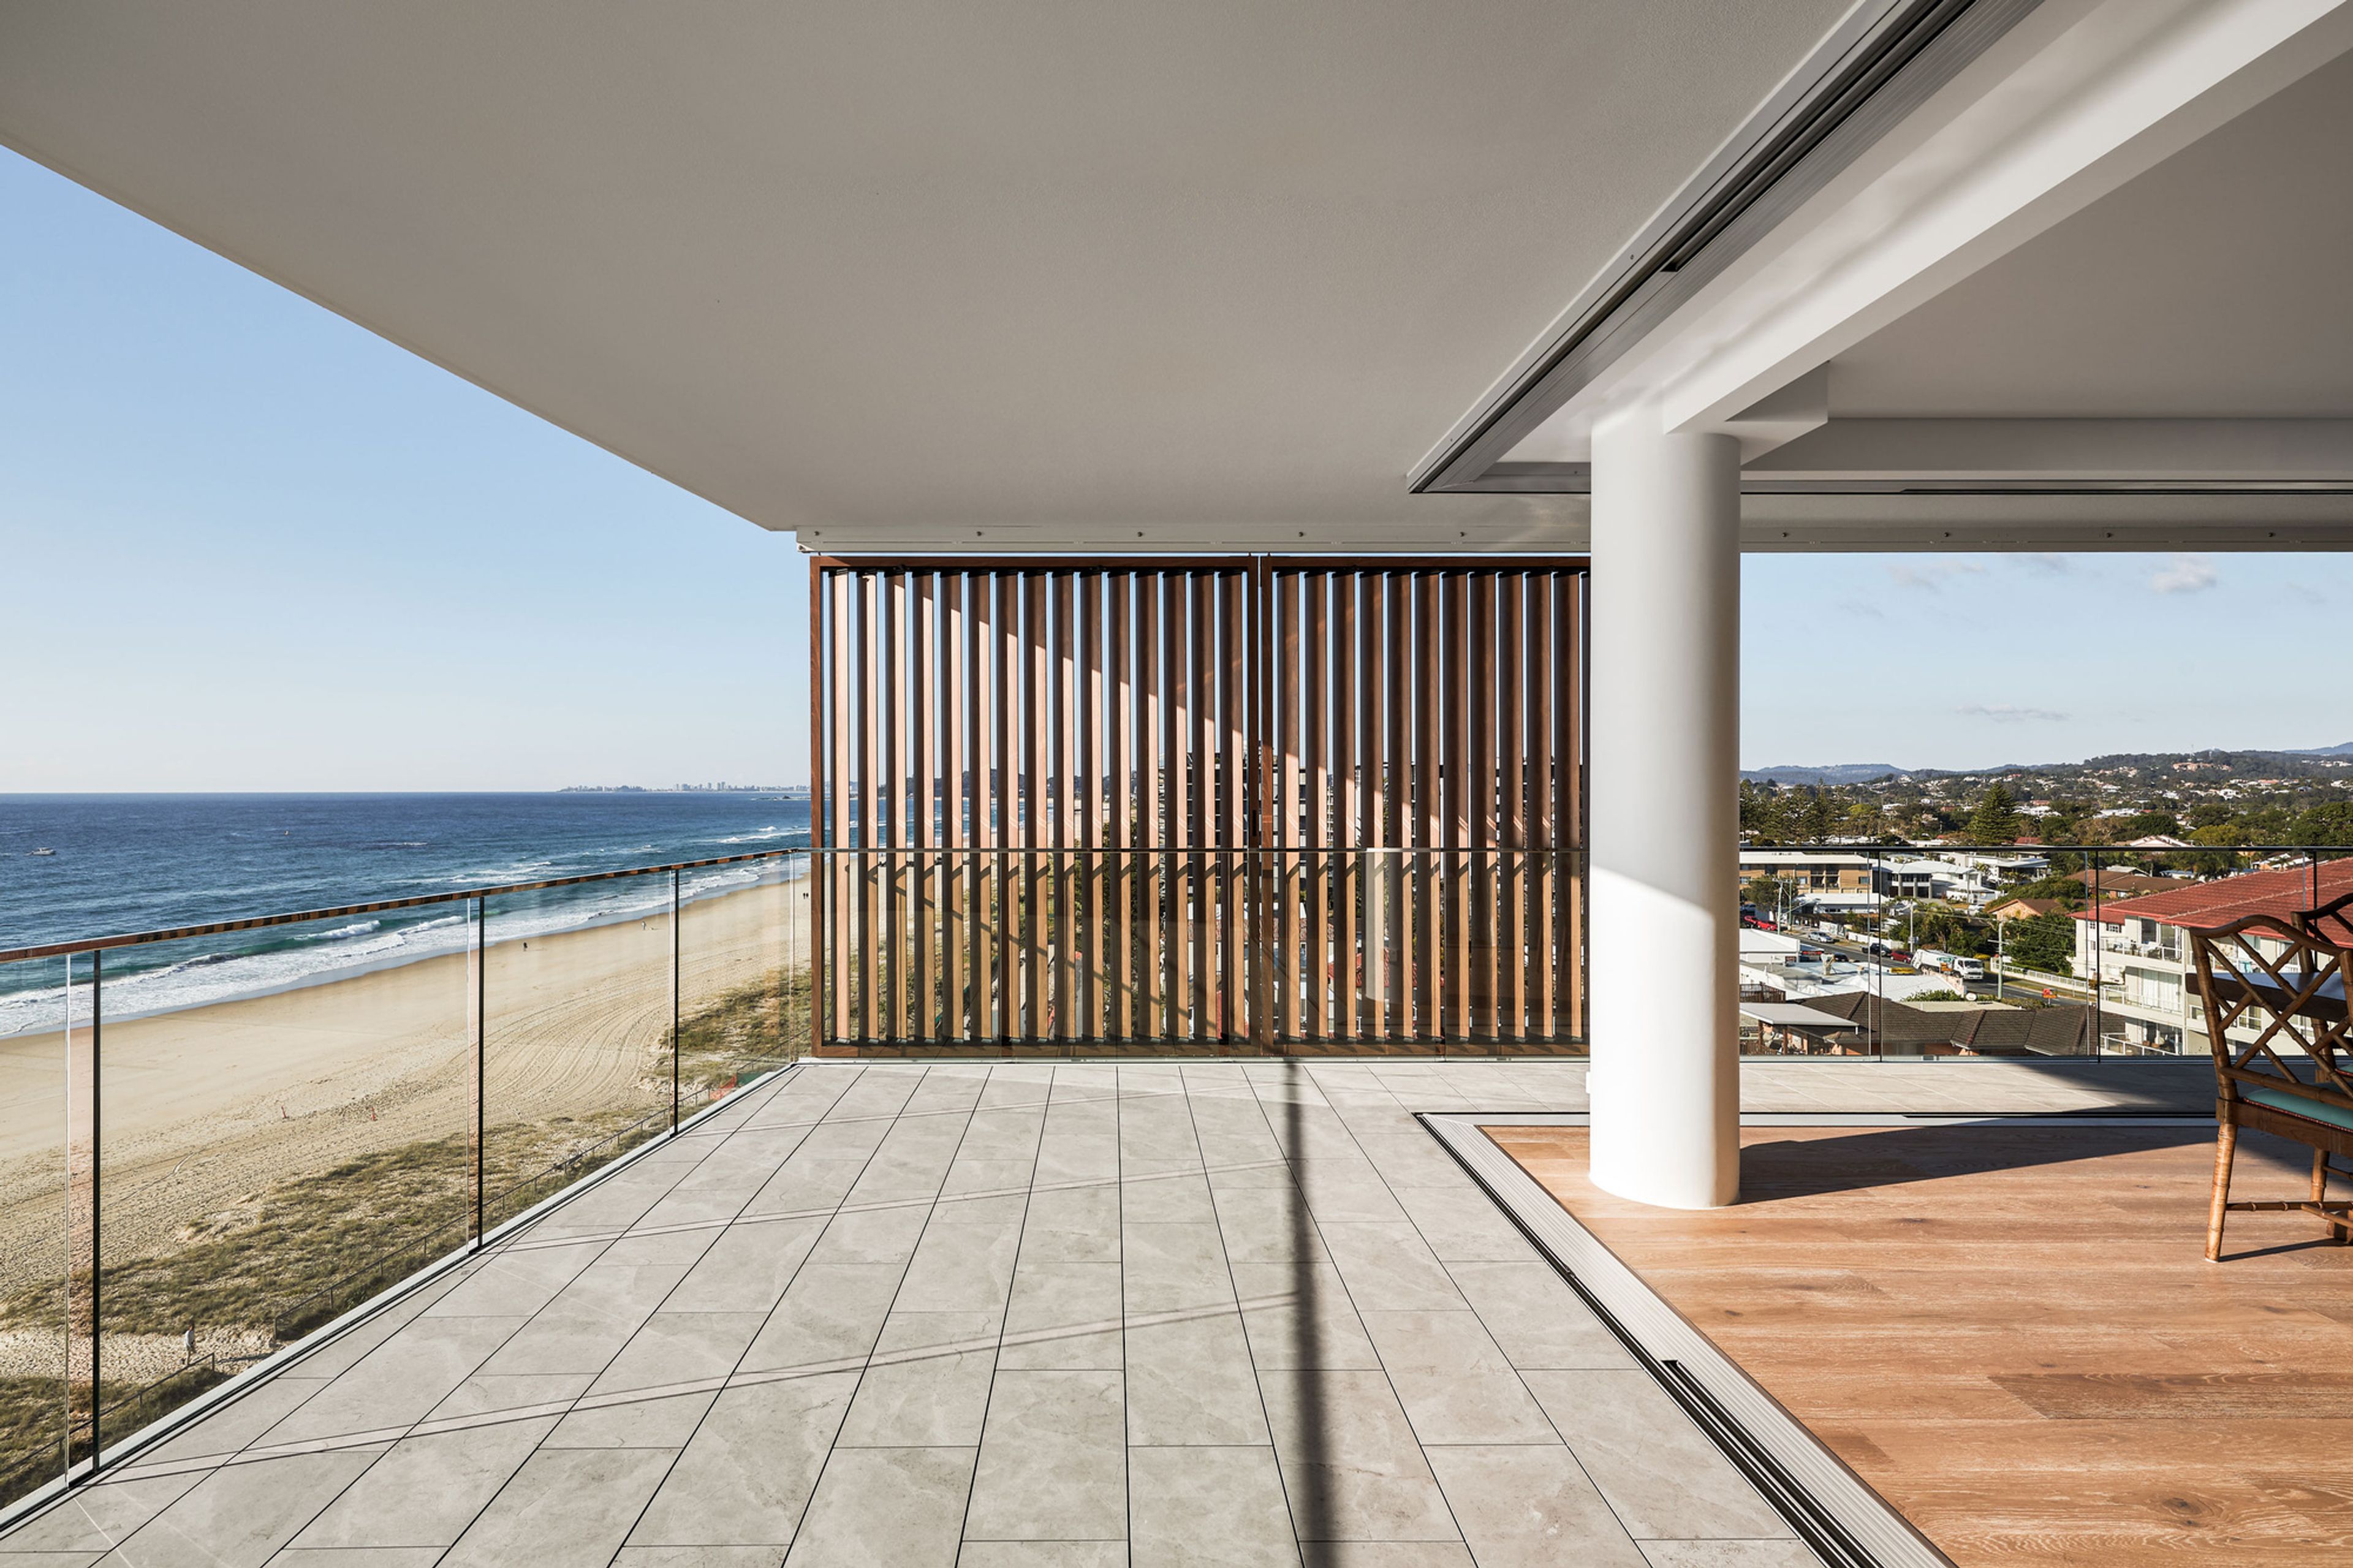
(995, 1315)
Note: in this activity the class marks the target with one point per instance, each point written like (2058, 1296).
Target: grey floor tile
(912, 1161)
(1389, 1268)
(587, 1324)
(515, 1282)
(1266, 1224)
(680, 1249)
(1043, 1554)
(886, 1508)
(344, 1351)
(241, 1513)
(96, 1517)
(227, 1430)
(746, 1476)
(632, 1421)
(1208, 1508)
(1463, 1225)
(1071, 1224)
(1729, 1555)
(1189, 1381)
(673, 1348)
(1174, 1268)
(1538, 1320)
(358, 1557)
(1663, 1476)
(1350, 1463)
(1386, 1554)
(1456, 1385)
(1300, 1315)
(961, 1268)
(970, 1177)
(1346, 1189)
(831, 1313)
(1063, 1316)
(1530, 1506)
(516, 1394)
(426, 1490)
(1053, 1459)
(928, 1385)
(694, 1557)
(746, 1268)
(566, 1507)
(1077, 1155)
(1006, 1133)
(871, 1236)
(399, 1381)
(1180, 1197)
(807, 1184)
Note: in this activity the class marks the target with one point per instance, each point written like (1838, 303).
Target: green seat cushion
(2297, 1105)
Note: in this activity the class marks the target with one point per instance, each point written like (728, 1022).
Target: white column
(1663, 782)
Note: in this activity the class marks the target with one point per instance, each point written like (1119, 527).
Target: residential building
(2138, 951)
(2018, 908)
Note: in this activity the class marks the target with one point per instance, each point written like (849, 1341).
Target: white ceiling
(2217, 285)
(895, 271)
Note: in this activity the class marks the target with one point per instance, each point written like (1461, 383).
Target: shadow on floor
(1897, 1156)
(1316, 1514)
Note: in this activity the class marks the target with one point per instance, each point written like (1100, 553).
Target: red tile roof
(2197, 905)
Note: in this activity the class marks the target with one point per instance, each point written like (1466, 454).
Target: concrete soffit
(1925, 142)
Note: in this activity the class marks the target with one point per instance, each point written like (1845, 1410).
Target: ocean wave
(340, 933)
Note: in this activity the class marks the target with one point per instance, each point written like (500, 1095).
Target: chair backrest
(2289, 976)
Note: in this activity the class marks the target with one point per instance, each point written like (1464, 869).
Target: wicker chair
(2297, 991)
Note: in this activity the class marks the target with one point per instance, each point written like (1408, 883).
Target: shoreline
(206, 1107)
(338, 973)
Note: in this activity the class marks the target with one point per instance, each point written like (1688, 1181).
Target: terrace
(1285, 479)
(1240, 1311)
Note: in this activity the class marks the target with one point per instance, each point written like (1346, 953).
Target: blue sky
(248, 545)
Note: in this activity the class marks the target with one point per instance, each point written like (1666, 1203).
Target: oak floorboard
(2013, 1332)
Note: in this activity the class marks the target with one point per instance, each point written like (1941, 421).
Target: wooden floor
(2013, 1332)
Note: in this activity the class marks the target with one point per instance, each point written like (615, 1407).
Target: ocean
(129, 863)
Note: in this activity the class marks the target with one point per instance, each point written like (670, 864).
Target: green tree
(2046, 942)
(1996, 819)
(2331, 824)
(1816, 820)
(1765, 893)
(1762, 816)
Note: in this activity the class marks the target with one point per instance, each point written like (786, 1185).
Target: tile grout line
(405, 1427)
(538, 1447)
(833, 1444)
(1348, 1291)
(721, 1393)
(1560, 1436)
(980, 1443)
(1290, 1508)
(1119, 1240)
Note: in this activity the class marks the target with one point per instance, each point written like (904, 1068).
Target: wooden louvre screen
(1225, 805)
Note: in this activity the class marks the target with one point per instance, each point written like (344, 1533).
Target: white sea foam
(338, 951)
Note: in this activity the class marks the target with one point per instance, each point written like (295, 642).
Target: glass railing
(214, 1140)
(1201, 950)
(1950, 952)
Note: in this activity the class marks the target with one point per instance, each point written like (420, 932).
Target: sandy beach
(207, 1108)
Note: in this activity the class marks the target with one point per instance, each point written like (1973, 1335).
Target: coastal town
(2019, 911)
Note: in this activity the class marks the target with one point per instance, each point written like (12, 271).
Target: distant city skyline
(253, 547)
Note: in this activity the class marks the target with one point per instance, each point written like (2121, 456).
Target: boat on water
(43, 851)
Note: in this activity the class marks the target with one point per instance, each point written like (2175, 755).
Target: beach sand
(207, 1108)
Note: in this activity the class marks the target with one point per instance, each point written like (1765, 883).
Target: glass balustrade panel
(580, 1002)
(282, 1132)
